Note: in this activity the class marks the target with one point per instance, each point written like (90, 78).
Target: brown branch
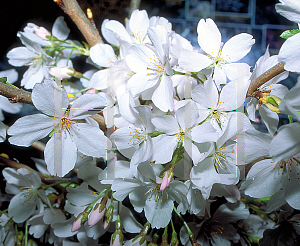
(90, 33)
(15, 94)
(134, 4)
(263, 78)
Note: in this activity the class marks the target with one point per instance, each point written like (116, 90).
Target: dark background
(15, 14)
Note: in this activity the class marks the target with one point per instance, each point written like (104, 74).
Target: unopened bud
(81, 219)
(166, 180)
(174, 240)
(117, 236)
(141, 238)
(108, 216)
(154, 240)
(98, 212)
(164, 241)
(62, 72)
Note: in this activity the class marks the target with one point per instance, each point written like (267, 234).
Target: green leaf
(3, 80)
(289, 33)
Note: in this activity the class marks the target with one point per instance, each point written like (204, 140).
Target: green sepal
(272, 101)
(155, 134)
(3, 80)
(51, 133)
(289, 33)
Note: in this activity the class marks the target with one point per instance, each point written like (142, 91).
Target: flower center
(156, 66)
(180, 136)
(137, 136)
(155, 191)
(138, 36)
(289, 167)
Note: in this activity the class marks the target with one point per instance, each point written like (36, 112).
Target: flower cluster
(177, 141)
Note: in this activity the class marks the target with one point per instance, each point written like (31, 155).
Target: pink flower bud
(166, 181)
(62, 72)
(91, 91)
(41, 32)
(77, 223)
(96, 215)
(116, 239)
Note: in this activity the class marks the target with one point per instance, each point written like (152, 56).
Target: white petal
(219, 76)
(123, 187)
(2, 132)
(103, 55)
(270, 119)
(163, 95)
(192, 151)
(20, 56)
(192, 61)
(139, 23)
(160, 40)
(235, 70)
(63, 229)
(22, 206)
(108, 34)
(90, 140)
(204, 133)
(262, 180)
(276, 201)
(60, 29)
(289, 53)
(233, 94)
(286, 143)
(140, 58)
(291, 184)
(141, 82)
(130, 224)
(163, 149)
(122, 137)
(237, 47)
(119, 30)
(159, 213)
(46, 97)
(166, 123)
(29, 129)
(204, 174)
(187, 116)
(127, 110)
(99, 80)
(209, 36)
(289, 9)
(11, 74)
(206, 94)
(257, 145)
(87, 105)
(60, 154)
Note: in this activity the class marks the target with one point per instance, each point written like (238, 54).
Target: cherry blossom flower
(145, 194)
(28, 197)
(181, 130)
(71, 127)
(222, 58)
(136, 136)
(153, 70)
(33, 56)
(269, 176)
(217, 106)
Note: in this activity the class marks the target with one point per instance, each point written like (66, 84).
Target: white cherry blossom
(71, 126)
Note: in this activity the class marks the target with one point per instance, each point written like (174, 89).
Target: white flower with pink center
(69, 127)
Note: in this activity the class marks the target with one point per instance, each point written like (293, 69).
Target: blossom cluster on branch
(184, 163)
